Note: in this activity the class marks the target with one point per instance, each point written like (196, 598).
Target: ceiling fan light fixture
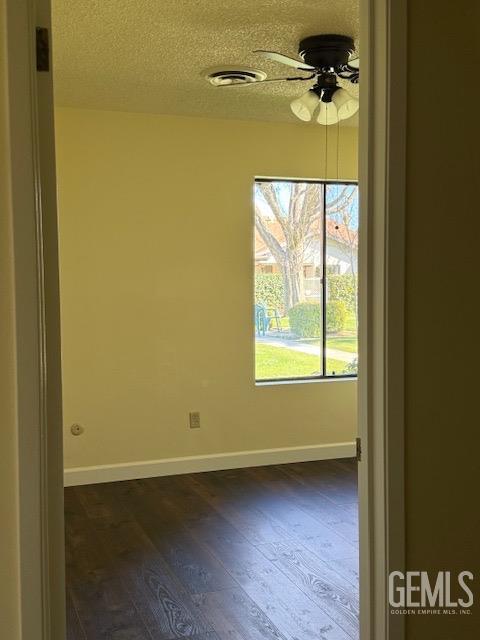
(305, 106)
(328, 113)
(345, 104)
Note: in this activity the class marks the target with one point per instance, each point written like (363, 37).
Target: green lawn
(278, 362)
(335, 367)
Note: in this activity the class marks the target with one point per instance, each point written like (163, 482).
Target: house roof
(337, 232)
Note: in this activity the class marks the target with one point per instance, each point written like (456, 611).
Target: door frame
(36, 377)
(381, 375)
(381, 387)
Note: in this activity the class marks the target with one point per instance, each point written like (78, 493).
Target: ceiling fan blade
(354, 62)
(252, 84)
(290, 62)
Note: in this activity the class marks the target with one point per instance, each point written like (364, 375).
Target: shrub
(269, 290)
(336, 315)
(306, 320)
(344, 288)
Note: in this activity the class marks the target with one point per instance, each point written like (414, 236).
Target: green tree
(297, 208)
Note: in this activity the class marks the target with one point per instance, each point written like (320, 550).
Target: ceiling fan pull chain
(326, 148)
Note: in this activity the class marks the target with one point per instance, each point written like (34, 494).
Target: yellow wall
(157, 286)
(443, 231)
(9, 489)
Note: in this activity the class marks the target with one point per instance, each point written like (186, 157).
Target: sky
(283, 189)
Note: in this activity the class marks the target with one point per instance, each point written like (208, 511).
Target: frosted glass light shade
(304, 106)
(328, 113)
(346, 104)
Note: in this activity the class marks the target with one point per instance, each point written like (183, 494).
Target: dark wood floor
(268, 553)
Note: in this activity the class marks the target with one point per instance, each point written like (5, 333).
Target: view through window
(306, 279)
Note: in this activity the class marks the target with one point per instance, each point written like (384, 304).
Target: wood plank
(286, 605)
(103, 605)
(94, 500)
(239, 512)
(163, 521)
(75, 630)
(348, 568)
(348, 466)
(162, 601)
(303, 527)
(235, 616)
(267, 553)
(343, 521)
(334, 594)
(329, 482)
(351, 509)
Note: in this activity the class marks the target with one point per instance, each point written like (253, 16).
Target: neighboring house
(342, 250)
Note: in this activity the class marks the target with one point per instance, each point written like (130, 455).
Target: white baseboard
(213, 462)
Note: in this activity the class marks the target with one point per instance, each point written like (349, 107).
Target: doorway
(157, 209)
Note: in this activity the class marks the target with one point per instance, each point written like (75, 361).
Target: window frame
(323, 376)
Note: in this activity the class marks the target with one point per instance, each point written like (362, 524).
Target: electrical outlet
(195, 420)
(76, 429)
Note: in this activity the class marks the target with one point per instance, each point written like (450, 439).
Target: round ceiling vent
(234, 75)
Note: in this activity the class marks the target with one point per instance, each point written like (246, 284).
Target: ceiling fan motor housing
(325, 86)
(326, 51)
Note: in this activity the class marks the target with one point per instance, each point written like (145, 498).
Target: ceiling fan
(326, 58)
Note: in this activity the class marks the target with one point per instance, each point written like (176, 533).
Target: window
(306, 263)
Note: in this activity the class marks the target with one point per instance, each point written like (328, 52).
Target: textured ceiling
(148, 55)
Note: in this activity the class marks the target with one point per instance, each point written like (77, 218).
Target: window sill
(269, 383)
